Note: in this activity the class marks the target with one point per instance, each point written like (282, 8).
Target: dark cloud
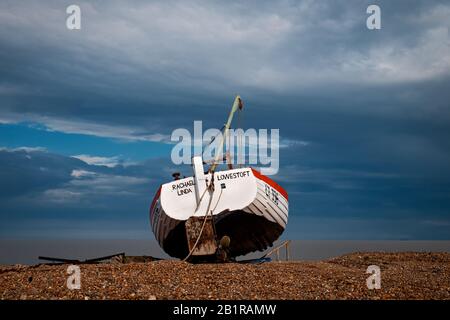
(162, 59)
(28, 172)
(24, 172)
(57, 192)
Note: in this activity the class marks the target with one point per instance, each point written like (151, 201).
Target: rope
(200, 235)
(239, 150)
(228, 152)
(209, 187)
(217, 203)
(206, 145)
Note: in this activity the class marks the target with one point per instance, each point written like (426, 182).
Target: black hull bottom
(248, 233)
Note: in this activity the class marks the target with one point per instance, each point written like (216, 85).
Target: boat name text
(233, 175)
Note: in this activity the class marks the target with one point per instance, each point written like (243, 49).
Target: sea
(27, 251)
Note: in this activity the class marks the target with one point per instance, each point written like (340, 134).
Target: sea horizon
(27, 251)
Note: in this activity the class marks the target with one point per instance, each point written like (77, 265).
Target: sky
(86, 115)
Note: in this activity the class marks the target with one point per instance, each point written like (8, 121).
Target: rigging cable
(239, 138)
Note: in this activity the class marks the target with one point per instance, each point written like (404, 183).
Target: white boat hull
(245, 205)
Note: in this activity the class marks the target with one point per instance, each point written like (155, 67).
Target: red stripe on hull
(271, 183)
(153, 203)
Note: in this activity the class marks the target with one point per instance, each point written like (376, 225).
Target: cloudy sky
(85, 115)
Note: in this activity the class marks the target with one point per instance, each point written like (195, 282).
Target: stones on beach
(404, 276)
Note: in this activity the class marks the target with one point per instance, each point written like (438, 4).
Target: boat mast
(236, 104)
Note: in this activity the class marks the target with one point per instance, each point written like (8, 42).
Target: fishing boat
(218, 214)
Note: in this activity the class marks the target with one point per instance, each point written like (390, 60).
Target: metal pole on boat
(236, 104)
(199, 178)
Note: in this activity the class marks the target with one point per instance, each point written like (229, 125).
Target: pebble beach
(407, 275)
